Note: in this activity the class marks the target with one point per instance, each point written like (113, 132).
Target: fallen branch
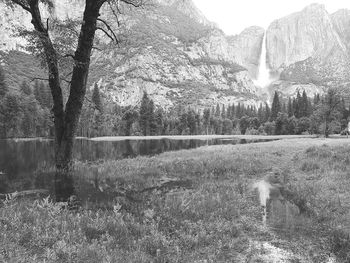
(25, 193)
(169, 185)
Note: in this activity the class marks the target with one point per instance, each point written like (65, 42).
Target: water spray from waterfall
(263, 79)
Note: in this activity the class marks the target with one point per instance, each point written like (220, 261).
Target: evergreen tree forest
(26, 112)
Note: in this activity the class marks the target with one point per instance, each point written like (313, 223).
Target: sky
(232, 16)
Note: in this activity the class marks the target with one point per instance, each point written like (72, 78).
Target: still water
(19, 159)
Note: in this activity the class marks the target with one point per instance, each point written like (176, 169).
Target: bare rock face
(243, 49)
(309, 33)
(188, 8)
(247, 48)
(310, 50)
(174, 53)
(341, 23)
(174, 78)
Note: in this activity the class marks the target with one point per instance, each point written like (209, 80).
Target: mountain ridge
(178, 56)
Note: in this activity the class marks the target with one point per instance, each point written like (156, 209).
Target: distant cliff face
(310, 49)
(341, 23)
(243, 49)
(309, 33)
(247, 48)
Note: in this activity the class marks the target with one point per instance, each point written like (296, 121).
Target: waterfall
(263, 79)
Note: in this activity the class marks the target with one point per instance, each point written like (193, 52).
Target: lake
(20, 159)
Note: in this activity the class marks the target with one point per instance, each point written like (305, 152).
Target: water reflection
(19, 159)
(282, 215)
(64, 187)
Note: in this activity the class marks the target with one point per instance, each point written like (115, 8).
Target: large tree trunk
(65, 138)
(66, 120)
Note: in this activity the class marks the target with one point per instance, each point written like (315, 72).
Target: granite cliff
(309, 47)
(169, 50)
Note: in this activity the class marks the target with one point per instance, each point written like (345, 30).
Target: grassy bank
(214, 216)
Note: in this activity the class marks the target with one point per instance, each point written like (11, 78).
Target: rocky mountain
(309, 33)
(172, 52)
(310, 47)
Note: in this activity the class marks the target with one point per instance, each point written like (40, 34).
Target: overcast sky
(233, 16)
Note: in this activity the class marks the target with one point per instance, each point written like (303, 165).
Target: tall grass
(216, 219)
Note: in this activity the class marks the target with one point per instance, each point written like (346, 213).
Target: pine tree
(191, 121)
(3, 85)
(298, 106)
(206, 120)
(38, 92)
(159, 119)
(146, 116)
(96, 98)
(304, 105)
(267, 112)
(47, 97)
(26, 126)
(290, 110)
(261, 113)
(217, 111)
(183, 126)
(129, 117)
(152, 119)
(223, 112)
(228, 112)
(276, 107)
(243, 124)
(233, 111)
(238, 111)
(12, 114)
(316, 99)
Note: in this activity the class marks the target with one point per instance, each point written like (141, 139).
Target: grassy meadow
(209, 214)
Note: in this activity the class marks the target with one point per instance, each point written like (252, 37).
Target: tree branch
(106, 33)
(135, 3)
(18, 2)
(47, 25)
(114, 12)
(110, 29)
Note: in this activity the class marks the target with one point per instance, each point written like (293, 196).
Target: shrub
(308, 166)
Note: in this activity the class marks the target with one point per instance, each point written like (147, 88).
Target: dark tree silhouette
(3, 85)
(328, 109)
(96, 98)
(275, 107)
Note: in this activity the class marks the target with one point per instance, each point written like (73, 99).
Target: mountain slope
(310, 47)
(170, 50)
(176, 60)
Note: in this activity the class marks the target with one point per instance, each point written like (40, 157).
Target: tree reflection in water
(64, 187)
(30, 164)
